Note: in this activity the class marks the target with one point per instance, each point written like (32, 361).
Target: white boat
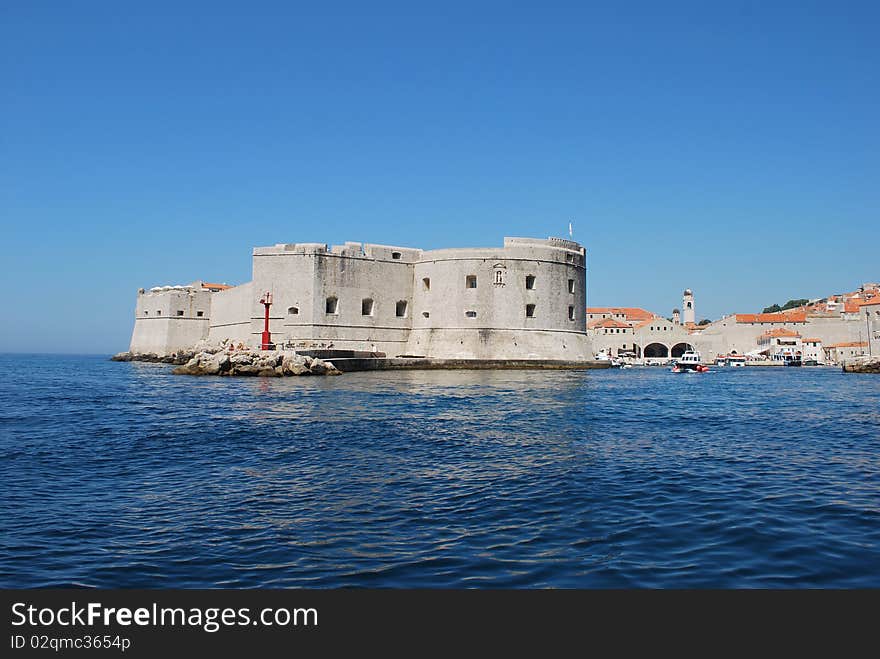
(690, 361)
(736, 360)
(616, 362)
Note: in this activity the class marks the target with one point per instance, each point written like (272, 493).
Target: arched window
(499, 276)
(293, 311)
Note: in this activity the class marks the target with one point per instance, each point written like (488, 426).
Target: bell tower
(687, 306)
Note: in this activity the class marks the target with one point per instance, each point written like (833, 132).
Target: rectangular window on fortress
(401, 309)
(426, 284)
(571, 313)
(200, 314)
(332, 305)
(146, 313)
(179, 312)
(159, 312)
(395, 256)
(530, 311)
(470, 314)
(530, 282)
(366, 307)
(470, 281)
(571, 285)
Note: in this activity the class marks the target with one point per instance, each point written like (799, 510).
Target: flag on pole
(570, 235)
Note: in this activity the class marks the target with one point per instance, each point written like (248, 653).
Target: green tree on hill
(791, 304)
(794, 304)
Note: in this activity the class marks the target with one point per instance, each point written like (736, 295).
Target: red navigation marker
(266, 301)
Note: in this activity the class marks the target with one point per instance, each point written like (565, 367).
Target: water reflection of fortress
(525, 300)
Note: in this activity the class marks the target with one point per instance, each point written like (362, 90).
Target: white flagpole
(570, 234)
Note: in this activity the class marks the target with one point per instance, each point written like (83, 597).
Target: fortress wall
(288, 272)
(726, 335)
(869, 318)
(835, 330)
(710, 346)
(168, 321)
(499, 343)
(489, 321)
(305, 277)
(230, 314)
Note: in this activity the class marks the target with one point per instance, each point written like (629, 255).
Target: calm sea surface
(115, 474)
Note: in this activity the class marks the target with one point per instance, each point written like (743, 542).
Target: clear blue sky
(728, 147)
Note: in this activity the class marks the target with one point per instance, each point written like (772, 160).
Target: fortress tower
(687, 305)
(676, 317)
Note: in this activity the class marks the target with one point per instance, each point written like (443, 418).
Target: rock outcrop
(227, 358)
(181, 357)
(862, 365)
(261, 363)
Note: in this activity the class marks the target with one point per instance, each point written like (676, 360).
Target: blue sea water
(124, 475)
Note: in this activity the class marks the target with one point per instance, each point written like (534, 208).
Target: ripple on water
(124, 475)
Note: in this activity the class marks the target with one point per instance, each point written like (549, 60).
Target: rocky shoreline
(862, 365)
(229, 360)
(153, 358)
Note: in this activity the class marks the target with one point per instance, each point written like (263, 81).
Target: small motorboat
(690, 362)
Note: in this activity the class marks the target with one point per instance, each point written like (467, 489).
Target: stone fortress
(522, 301)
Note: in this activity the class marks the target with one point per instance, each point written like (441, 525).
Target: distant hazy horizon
(732, 149)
